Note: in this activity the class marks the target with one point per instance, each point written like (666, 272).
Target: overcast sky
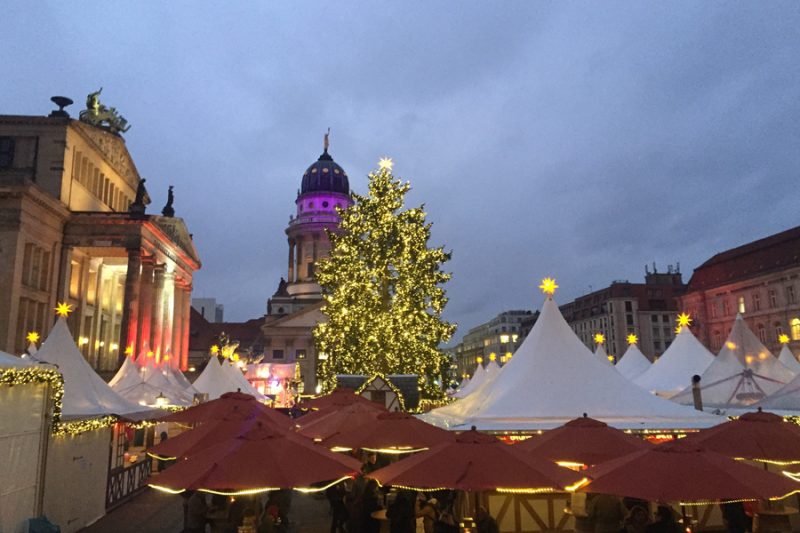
(576, 140)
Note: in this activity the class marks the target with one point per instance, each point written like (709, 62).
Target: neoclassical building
(760, 280)
(73, 228)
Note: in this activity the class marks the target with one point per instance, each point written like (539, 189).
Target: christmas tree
(383, 292)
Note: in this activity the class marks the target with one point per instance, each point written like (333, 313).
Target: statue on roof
(96, 114)
(326, 141)
(168, 210)
(137, 207)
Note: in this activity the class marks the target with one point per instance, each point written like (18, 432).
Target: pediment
(113, 149)
(176, 229)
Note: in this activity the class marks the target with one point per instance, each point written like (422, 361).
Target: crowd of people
(250, 513)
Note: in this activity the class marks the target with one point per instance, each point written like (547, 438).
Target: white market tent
(673, 371)
(180, 379)
(215, 381)
(787, 359)
(478, 378)
(144, 385)
(743, 373)
(554, 378)
(787, 398)
(601, 354)
(633, 363)
(85, 392)
(127, 375)
(12, 361)
(237, 377)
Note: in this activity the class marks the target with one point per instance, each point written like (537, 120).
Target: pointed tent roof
(478, 377)
(128, 374)
(214, 381)
(673, 371)
(743, 373)
(601, 354)
(552, 377)
(12, 361)
(144, 385)
(787, 398)
(180, 377)
(787, 359)
(237, 377)
(85, 393)
(633, 363)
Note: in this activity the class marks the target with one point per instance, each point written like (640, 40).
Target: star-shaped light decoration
(32, 337)
(214, 350)
(492, 356)
(599, 338)
(479, 359)
(129, 350)
(632, 339)
(386, 164)
(684, 321)
(783, 338)
(63, 309)
(548, 286)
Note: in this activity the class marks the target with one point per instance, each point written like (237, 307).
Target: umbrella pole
(685, 518)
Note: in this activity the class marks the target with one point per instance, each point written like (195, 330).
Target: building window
(713, 309)
(504, 338)
(756, 302)
(773, 298)
(778, 331)
(741, 305)
(726, 308)
(656, 332)
(277, 354)
(795, 325)
(629, 319)
(762, 333)
(665, 319)
(6, 152)
(790, 294)
(716, 340)
(628, 306)
(300, 354)
(654, 319)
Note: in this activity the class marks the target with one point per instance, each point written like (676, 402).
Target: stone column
(129, 324)
(291, 261)
(156, 335)
(187, 305)
(298, 259)
(168, 297)
(143, 345)
(177, 325)
(64, 274)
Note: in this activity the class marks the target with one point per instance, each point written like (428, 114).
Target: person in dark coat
(402, 513)
(664, 522)
(370, 503)
(485, 522)
(335, 495)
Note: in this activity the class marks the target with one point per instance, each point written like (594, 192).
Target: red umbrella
(475, 461)
(682, 472)
(230, 404)
(394, 432)
(583, 441)
(260, 460)
(757, 436)
(337, 421)
(209, 433)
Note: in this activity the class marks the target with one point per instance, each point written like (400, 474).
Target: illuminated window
(795, 325)
(514, 338)
(741, 304)
(504, 338)
(91, 289)
(74, 279)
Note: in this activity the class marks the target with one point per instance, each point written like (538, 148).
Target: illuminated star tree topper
(684, 320)
(783, 338)
(599, 338)
(63, 309)
(548, 286)
(383, 291)
(32, 337)
(632, 339)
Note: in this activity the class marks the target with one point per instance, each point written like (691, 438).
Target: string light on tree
(382, 290)
(548, 286)
(632, 338)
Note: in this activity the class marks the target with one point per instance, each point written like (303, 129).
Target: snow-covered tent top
(633, 363)
(551, 379)
(673, 371)
(12, 361)
(602, 355)
(787, 359)
(743, 373)
(478, 377)
(85, 393)
(214, 381)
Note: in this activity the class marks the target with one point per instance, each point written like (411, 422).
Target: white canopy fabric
(787, 359)
(478, 378)
(85, 392)
(180, 378)
(787, 398)
(600, 353)
(237, 377)
(633, 363)
(554, 378)
(144, 385)
(214, 381)
(127, 375)
(743, 373)
(673, 371)
(12, 361)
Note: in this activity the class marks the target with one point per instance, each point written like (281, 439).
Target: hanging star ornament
(548, 286)
(632, 339)
(599, 338)
(63, 309)
(32, 337)
(783, 338)
(386, 163)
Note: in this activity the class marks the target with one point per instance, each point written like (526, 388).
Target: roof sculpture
(633, 363)
(673, 371)
(553, 378)
(85, 392)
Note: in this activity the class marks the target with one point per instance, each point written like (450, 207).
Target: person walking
(485, 522)
(335, 495)
(637, 521)
(664, 522)
(369, 504)
(607, 513)
(429, 513)
(401, 513)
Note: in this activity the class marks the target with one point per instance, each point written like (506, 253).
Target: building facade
(73, 228)
(209, 309)
(760, 280)
(647, 310)
(496, 339)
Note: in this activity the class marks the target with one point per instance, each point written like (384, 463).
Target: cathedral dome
(325, 176)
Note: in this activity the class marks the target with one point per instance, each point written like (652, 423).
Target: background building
(760, 280)
(209, 309)
(646, 309)
(500, 336)
(73, 228)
